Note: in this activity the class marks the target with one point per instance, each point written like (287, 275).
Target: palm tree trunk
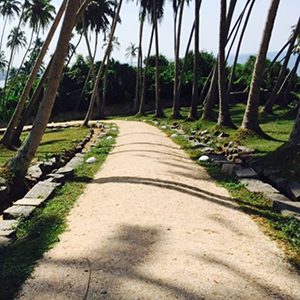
(105, 86)
(250, 120)
(193, 114)
(19, 164)
(143, 96)
(96, 86)
(185, 60)
(224, 113)
(3, 30)
(176, 100)
(268, 108)
(7, 137)
(238, 49)
(139, 68)
(21, 65)
(158, 109)
(91, 57)
(285, 102)
(36, 95)
(294, 140)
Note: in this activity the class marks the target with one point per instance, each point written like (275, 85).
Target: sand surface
(153, 225)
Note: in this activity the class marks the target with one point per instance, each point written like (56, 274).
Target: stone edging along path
(43, 190)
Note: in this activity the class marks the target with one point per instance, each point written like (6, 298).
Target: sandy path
(153, 225)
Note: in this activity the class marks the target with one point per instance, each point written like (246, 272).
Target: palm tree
(8, 9)
(113, 45)
(176, 104)
(268, 108)
(193, 114)
(7, 137)
(3, 61)
(224, 113)
(100, 71)
(19, 164)
(16, 40)
(157, 14)
(250, 120)
(131, 52)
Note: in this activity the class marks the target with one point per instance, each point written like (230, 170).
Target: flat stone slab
(55, 177)
(67, 171)
(257, 186)
(74, 162)
(7, 233)
(42, 190)
(218, 159)
(30, 202)
(288, 208)
(6, 225)
(4, 241)
(229, 167)
(295, 191)
(246, 173)
(16, 211)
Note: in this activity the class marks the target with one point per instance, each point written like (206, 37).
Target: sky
(128, 31)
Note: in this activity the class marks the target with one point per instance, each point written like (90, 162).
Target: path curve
(153, 225)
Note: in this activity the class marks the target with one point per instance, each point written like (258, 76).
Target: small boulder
(204, 158)
(91, 160)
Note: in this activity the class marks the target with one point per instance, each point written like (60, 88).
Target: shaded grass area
(54, 141)
(40, 233)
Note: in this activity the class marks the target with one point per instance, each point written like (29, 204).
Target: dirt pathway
(153, 225)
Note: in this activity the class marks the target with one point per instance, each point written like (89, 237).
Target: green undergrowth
(39, 234)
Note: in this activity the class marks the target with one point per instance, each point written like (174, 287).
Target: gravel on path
(153, 225)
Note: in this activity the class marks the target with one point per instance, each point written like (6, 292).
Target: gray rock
(4, 242)
(59, 178)
(7, 233)
(246, 173)
(207, 150)
(15, 212)
(8, 225)
(294, 190)
(43, 190)
(30, 202)
(287, 207)
(3, 193)
(268, 172)
(35, 172)
(218, 159)
(204, 132)
(67, 171)
(75, 162)
(257, 186)
(230, 167)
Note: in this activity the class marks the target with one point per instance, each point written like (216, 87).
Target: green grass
(40, 233)
(54, 141)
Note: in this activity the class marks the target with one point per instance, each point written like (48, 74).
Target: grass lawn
(54, 141)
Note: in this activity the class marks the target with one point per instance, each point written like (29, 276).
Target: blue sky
(127, 32)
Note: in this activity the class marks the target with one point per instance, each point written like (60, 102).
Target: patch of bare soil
(153, 225)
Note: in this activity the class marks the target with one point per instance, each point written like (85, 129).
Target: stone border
(43, 191)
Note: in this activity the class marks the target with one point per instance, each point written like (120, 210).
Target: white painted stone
(204, 158)
(174, 136)
(91, 160)
(114, 129)
(109, 138)
(164, 127)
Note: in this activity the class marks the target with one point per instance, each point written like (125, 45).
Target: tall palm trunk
(224, 113)
(3, 30)
(193, 114)
(105, 86)
(35, 97)
(158, 109)
(143, 96)
(250, 120)
(19, 164)
(268, 108)
(285, 100)
(100, 71)
(176, 100)
(238, 49)
(139, 68)
(91, 57)
(7, 137)
(294, 140)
